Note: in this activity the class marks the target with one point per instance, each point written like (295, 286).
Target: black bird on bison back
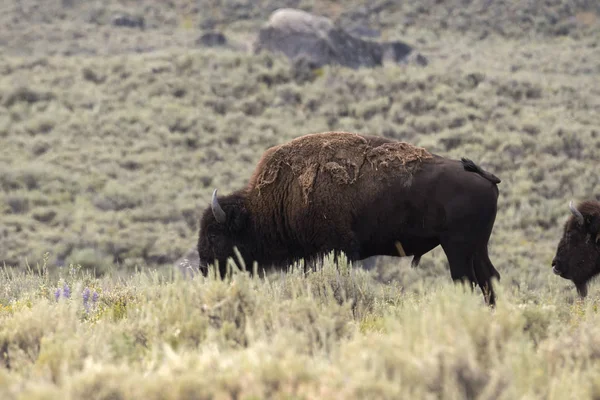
(360, 195)
(578, 253)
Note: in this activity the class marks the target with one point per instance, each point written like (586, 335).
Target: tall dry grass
(334, 333)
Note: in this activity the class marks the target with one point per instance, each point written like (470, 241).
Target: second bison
(578, 252)
(357, 194)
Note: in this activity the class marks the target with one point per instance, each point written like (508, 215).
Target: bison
(360, 195)
(578, 253)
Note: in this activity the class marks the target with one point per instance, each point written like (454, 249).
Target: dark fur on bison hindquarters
(357, 194)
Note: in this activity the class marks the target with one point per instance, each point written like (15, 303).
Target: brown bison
(578, 253)
(360, 195)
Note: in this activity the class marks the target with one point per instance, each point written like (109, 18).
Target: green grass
(109, 152)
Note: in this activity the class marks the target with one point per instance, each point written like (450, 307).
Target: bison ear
(594, 226)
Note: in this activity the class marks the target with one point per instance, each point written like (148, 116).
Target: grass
(121, 179)
(113, 139)
(334, 333)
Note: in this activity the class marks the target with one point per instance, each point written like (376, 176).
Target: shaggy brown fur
(578, 252)
(342, 156)
(360, 195)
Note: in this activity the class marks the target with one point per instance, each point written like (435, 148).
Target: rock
(129, 21)
(397, 51)
(44, 216)
(92, 76)
(303, 70)
(299, 34)
(25, 94)
(401, 55)
(212, 39)
(364, 31)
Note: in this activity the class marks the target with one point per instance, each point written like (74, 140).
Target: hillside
(113, 137)
(110, 150)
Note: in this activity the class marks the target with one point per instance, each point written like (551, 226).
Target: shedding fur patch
(340, 155)
(395, 153)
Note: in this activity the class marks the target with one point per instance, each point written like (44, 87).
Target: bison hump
(337, 158)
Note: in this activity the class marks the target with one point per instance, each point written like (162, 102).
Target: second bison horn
(217, 210)
(576, 213)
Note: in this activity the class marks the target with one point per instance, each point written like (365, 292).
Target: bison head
(223, 226)
(578, 253)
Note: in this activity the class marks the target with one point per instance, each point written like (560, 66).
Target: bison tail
(470, 166)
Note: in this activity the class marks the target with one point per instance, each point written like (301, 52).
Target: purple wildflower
(66, 291)
(86, 294)
(95, 297)
(86, 298)
(57, 294)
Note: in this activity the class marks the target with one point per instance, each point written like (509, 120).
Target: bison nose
(203, 267)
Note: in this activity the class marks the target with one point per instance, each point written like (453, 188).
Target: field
(112, 140)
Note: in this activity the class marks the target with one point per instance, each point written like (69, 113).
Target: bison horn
(576, 213)
(216, 209)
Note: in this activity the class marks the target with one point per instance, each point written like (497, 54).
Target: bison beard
(578, 252)
(360, 195)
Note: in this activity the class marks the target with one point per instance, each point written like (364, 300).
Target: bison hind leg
(415, 261)
(485, 272)
(460, 257)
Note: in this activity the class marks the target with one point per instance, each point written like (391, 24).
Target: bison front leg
(581, 289)
(351, 251)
